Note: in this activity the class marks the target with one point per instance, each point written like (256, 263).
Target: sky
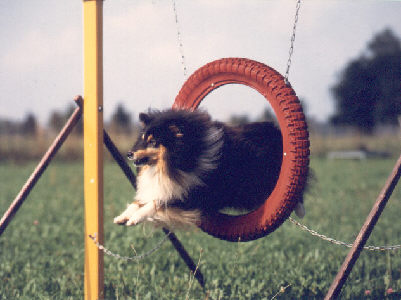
(41, 61)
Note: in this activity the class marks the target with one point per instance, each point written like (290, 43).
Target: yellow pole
(93, 146)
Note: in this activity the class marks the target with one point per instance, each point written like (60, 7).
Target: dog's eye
(152, 142)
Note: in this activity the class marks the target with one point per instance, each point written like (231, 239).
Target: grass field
(41, 252)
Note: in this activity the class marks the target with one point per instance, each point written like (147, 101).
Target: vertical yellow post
(93, 145)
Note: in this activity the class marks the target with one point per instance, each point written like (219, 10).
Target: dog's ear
(144, 118)
(176, 131)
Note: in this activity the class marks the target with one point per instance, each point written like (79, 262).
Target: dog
(190, 165)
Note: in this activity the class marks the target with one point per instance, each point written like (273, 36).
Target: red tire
(294, 170)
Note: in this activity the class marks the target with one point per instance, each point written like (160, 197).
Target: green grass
(42, 252)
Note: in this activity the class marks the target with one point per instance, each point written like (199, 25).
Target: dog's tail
(300, 210)
(175, 218)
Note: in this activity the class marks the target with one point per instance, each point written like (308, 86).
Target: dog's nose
(130, 155)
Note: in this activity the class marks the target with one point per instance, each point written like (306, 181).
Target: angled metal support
(41, 167)
(365, 232)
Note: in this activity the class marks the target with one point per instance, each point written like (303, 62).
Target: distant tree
(56, 121)
(9, 127)
(238, 119)
(369, 90)
(29, 125)
(121, 121)
(266, 116)
(79, 127)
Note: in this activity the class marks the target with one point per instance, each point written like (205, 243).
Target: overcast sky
(41, 50)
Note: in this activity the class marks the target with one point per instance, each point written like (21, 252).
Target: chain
(303, 227)
(179, 39)
(294, 30)
(136, 257)
(291, 51)
(333, 241)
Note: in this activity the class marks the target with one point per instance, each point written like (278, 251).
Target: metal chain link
(333, 241)
(291, 51)
(136, 257)
(179, 39)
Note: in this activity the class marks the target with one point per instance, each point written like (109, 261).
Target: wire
(337, 242)
(179, 39)
(136, 257)
(291, 51)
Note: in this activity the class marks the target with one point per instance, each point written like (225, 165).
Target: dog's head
(172, 138)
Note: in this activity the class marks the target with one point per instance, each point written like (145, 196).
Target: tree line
(121, 122)
(367, 94)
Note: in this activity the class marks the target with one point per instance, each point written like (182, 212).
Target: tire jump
(288, 110)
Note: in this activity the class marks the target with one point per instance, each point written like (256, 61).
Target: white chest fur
(154, 185)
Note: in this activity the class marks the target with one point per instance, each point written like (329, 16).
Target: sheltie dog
(191, 166)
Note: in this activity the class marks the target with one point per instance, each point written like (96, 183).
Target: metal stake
(365, 232)
(41, 167)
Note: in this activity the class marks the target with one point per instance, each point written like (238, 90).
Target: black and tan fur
(190, 165)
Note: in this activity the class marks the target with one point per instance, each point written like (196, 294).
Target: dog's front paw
(144, 213)
(135, 219)
(127, 214)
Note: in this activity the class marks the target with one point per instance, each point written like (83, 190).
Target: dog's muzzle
(137, 161)
(141, 161)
